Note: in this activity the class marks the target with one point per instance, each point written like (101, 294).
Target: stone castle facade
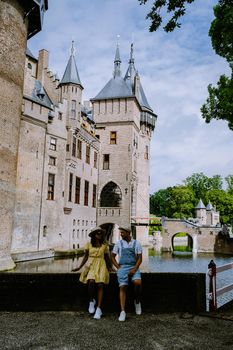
(79, 164)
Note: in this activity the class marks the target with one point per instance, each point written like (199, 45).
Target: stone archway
(182, 242)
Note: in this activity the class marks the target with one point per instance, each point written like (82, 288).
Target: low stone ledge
(161, 292)
(27, 256)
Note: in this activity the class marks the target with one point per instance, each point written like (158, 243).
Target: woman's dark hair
(93, 239)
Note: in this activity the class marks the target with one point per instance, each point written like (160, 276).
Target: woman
(96, 271)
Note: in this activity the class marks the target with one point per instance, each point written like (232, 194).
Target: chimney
(43, 63)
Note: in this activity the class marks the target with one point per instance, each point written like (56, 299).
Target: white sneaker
(138, 308)
(91, 308)
(122, 316)
(98, 314)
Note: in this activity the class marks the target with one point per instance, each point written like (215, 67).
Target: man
(129, 253)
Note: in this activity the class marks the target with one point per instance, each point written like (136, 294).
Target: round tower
(19, 20)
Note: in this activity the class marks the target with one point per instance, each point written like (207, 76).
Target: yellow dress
(95, 267)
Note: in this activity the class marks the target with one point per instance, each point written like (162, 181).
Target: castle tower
(19, 20)
(71, 90)
(212, 216)
(124, 122)
(81, 159)
(201, 213)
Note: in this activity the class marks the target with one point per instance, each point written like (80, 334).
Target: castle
(79, 164)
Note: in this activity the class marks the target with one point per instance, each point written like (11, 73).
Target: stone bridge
(203, 238)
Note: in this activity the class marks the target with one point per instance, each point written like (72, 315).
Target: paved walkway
(78, 331)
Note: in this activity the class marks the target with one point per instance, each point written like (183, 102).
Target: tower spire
(71, 72)
(117, 61)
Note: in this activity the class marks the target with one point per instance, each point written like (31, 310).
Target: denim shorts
(122, 275)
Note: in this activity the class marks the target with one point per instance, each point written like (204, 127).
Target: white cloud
(175, 70)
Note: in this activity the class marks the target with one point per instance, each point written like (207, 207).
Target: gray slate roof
(71, 73)
(117, 87)
(40, 96)
(200, 205)
(209, 206)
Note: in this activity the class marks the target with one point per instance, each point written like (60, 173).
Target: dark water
(152, 262)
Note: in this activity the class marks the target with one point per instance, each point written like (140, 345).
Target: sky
(175, 70)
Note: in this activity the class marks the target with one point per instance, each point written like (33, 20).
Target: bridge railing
(214, 293)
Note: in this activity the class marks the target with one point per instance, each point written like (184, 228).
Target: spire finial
(72, 49)
(117, 61)
(118, 39)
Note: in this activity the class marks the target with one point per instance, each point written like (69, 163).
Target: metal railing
(214, 293)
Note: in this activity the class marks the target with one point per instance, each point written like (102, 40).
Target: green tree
(201, 184)
(229, 181)
(174, 7)
(219, 104)
(223, 202)
(160, 202)
(182, 202)
(173, 202)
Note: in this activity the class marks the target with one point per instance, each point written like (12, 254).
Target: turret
(201, 212)
(71, 89)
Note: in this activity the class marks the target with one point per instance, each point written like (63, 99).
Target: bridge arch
(182, 242)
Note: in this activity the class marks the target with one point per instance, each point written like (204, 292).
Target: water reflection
(152, 262)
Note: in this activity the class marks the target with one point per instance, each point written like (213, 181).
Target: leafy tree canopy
(219, 104)
(174, 7)
(201, 184)
(180, 201)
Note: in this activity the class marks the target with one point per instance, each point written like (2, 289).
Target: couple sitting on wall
(97, 264)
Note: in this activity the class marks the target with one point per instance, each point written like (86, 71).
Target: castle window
(77, 190)
(94, 196)
(146, 156)
(95, 160)
(106, 161)
(59, 115)
(79, 149)
(53, 143)
(111, 195)
(86, 192)
(88, 150)
(113, 137)
(73, 109)
(52, 160)
(70, 187)
(74, 147)
(51, 184)
(29, 65)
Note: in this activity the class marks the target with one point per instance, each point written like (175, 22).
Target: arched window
(110, 195)
(29, 65)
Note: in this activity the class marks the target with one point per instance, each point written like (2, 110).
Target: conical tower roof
(209, 206)
(71, 72)
(116, 87)
(200, 205)
(129, 78)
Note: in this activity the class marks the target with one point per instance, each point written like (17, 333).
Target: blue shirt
(117, 247)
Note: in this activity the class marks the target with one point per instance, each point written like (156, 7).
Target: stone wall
(13, 33)
(162, 292)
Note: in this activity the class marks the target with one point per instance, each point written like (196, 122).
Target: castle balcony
(148, 119)
(109, 211)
